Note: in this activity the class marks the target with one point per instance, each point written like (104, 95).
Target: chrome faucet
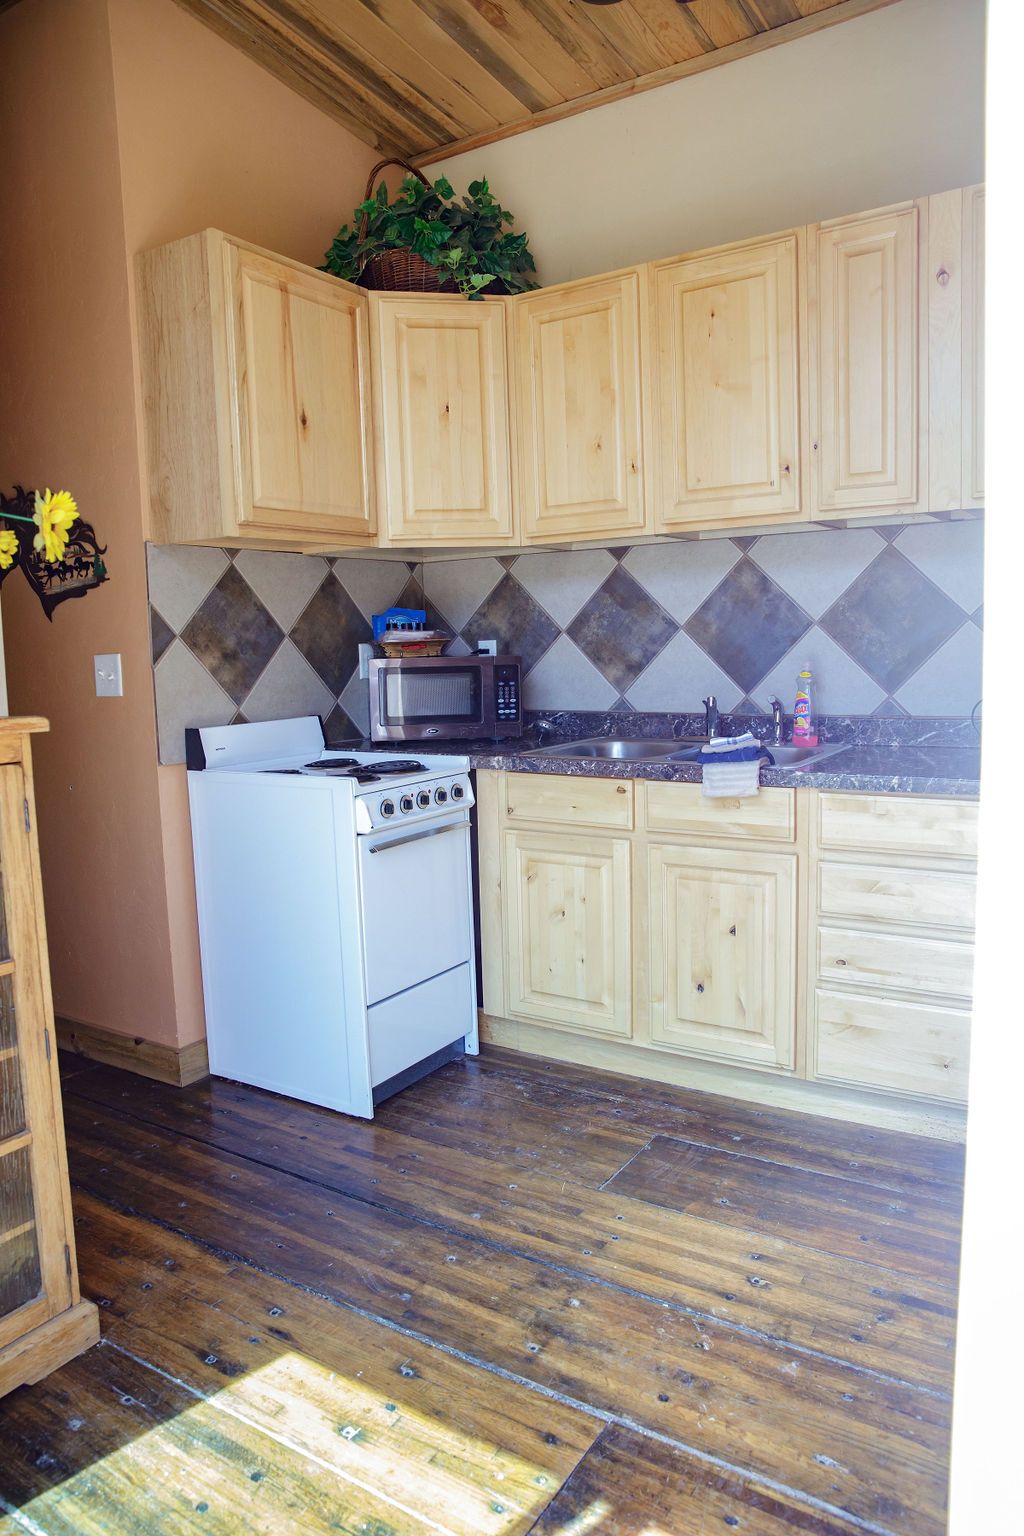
(711, 715)
(778, 723)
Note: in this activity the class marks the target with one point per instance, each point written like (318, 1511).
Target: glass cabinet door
(33, 1270)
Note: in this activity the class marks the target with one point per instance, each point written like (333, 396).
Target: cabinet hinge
(46, 1039)
(67, 1259)
(28, 819)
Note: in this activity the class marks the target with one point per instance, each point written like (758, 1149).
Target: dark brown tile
(233, 635)
(747, 624)
(328, 632)
(891, 619)
(340, 726)
(509, 615)
(621, 629)
(161, 633)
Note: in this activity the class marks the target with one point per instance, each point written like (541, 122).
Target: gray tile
(621, 629)
(950, 554)
(328, 633)
(160, 633)
(978, 616)
(373, 585)
(949, 682)
(747, 624)
(186, 694)
(458, 587)
(180, 575)
(565, 679)
(680, 575)
(679, 677)
(284, 583)
(815, 568)
(510, 616)
(840, 686)
(233, 635)
(561, 581)
(889, 710)
(891, 619)
(355, 701)
(287, 687)
(748, 706)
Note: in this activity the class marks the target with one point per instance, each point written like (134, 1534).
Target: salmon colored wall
(66, 407)
(163, 129)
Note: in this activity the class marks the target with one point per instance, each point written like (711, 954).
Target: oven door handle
(415, 837)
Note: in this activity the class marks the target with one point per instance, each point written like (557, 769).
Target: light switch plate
(365, 656)
(107, 670)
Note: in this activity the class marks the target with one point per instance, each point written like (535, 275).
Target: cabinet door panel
(443, 421)
(722, 959)
(578, 409)
(973, 456)
(727, 424)
(567, 906)
(899, 1047)
(301, 393)
(866, 390)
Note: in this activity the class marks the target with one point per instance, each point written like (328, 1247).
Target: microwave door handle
(416, 837)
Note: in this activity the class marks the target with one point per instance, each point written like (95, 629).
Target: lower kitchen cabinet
(721, 952)
(567, 919)
(807, 948)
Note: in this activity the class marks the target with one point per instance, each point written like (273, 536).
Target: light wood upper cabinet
(255, 374)
(726, 426)
(864, 361)
(443, 458)
(721, 937)
(567, 929)
(578, 372)
(973, 373)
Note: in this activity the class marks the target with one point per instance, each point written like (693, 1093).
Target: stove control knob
(387, 807)
(423, 799)
(405, 805)
(458, 792)
(440, 795)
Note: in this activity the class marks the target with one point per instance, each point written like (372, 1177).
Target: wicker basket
(399, 271)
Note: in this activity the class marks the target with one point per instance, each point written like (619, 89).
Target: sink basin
(615, 748)
(790, 757)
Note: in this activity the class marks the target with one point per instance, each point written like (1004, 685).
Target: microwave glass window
(448, 694)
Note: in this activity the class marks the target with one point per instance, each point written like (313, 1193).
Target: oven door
(417, 904)
(410, 700)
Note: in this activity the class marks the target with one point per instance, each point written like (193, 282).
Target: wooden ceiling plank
(574, 28)
(392, 51)
(843, 10)
(472, 32)
(298, 27)
(813, 7)
(626, 29)
(774, 13)
(318, 86)
(676, 28)
(722, 21)
(410, 20)
(546, 35)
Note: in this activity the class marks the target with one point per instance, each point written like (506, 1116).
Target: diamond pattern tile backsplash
(887, 618)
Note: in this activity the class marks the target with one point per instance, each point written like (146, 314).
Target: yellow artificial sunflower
(54, 514)
(8, 548)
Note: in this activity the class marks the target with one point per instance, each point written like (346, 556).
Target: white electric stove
(335, 911)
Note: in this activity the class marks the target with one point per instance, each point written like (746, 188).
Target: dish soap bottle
(805, 731)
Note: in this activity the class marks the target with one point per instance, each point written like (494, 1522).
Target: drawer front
(899, 824)
(770, 814)
(926, 897)
(899, 1047)
(563, 801)
(940, 966)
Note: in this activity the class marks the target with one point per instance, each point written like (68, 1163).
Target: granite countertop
(903, 757)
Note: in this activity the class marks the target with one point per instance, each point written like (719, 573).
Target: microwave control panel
(506, 692)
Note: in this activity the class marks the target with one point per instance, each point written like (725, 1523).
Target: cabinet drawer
(566, 802)
(899, 824)
(683, 808)
(929, 897)
(895, 960)
(900, 1047)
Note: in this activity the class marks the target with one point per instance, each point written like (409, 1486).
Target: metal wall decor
(77, 568)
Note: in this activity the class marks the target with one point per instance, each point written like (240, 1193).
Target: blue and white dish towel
(732, 765)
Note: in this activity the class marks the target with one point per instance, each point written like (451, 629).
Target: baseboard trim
(177, 1065)
(775, 1089)
(48, 1347)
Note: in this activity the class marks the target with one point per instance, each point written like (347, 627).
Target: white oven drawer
(407, 1028)
(417, 904)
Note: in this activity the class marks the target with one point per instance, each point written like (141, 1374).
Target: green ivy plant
(467, 241)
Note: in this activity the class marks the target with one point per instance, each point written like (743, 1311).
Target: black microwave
(418, 698)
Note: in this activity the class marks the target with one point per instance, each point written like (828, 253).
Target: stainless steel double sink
(683, 749)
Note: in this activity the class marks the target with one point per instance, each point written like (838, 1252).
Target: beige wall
(869, 112)
(162, 129)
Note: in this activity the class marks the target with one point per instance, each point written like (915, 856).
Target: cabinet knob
(942, 277)
(620, 789)
(700, 986)
(732, 930)
(840, 962)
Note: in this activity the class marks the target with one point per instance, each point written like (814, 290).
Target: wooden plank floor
(526, 1297)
